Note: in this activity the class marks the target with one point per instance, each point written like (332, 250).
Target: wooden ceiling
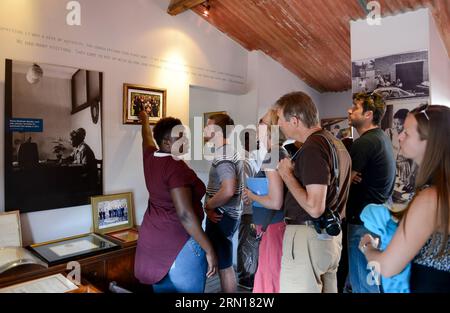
(311, 38)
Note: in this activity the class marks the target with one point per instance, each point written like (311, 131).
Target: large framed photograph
(137, 98)
(395, 77)
(53, 136)
(406, 169)
(60, 251)
(112, 213)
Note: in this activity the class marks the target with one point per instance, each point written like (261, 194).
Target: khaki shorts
(309, 264)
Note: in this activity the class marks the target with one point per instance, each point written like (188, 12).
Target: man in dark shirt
(373, 175)
(310, 260)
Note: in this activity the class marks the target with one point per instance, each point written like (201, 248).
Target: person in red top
(173, 253)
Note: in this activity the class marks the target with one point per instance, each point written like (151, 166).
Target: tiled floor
(213, 286)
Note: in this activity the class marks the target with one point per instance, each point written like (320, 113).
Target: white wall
(131, 41)
(273, 81)
(439, 67)
(334, 104)
(401, 33)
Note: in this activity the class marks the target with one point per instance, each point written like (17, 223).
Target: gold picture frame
(139, 97)
(111, 213)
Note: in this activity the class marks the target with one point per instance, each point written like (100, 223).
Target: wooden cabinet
(98, 270)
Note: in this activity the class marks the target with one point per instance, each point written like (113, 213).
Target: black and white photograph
(399, 76)
(112, 213)
(406, 169)
(53, 141)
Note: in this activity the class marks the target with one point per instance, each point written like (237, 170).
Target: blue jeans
(221, 236)
(358, 274)
(188, 272)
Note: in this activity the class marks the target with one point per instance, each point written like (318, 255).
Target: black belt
(292, 222)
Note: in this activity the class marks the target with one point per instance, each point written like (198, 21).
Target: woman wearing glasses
(422, 236)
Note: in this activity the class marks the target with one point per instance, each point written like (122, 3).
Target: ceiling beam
(179, 6)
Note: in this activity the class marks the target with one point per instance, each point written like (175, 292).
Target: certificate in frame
(60, 251)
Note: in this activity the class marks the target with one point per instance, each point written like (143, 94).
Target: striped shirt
(227, 164)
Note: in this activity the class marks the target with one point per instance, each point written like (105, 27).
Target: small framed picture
(112, 212)
(137, 98)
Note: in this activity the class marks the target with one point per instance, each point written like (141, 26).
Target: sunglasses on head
(423, 110)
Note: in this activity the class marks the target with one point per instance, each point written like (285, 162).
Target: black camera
(330, 221)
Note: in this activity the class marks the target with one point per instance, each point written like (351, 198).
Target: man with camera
(318, 180)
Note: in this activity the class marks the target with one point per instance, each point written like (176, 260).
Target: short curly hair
(372, 102)
(163, 128)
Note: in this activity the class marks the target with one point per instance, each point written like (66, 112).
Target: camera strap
(334, 166)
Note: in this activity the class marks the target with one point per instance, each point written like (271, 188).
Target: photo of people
(137, 98)
(112, 213)
(59, 163)
(398, 76)
(151, 104)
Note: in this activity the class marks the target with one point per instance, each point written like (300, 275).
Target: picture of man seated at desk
(59, 164)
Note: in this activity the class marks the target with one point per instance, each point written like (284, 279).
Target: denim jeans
(360, 278)
(188, 272)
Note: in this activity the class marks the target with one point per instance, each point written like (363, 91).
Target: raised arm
(147, 136)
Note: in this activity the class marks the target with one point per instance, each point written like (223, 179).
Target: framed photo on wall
(137, 98)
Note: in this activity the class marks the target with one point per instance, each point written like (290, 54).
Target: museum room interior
(81, 191)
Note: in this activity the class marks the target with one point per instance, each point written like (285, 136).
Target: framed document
(113, 217)
(10, 230)
(60, 251)
(51, 284)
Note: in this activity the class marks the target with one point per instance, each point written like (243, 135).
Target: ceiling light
(206, 8)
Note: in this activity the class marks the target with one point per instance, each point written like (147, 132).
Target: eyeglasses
(423, 109)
